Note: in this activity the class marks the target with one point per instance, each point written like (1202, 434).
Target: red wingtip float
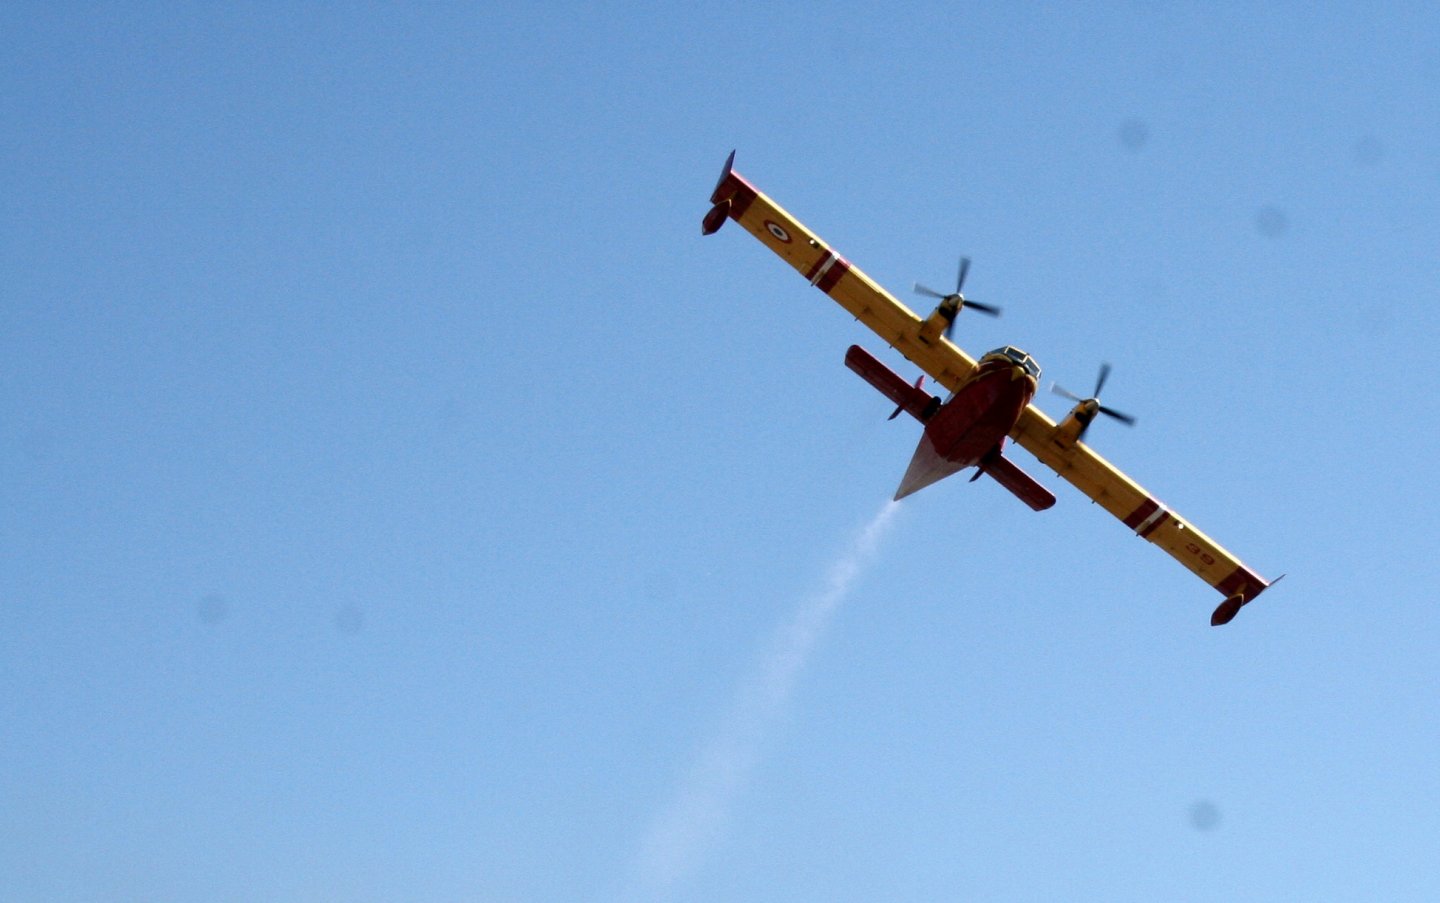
(990, 398)
(1227, 610)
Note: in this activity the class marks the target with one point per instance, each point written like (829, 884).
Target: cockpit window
(1019, 357)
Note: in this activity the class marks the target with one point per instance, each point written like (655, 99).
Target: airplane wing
(737, 199)
(1112, 490)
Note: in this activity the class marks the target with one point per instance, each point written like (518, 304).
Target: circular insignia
(777, 231)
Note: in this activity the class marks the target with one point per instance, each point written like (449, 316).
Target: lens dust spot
(1204, 816)
(1271, 222)
(212, 609)
(349, 620)
(41, 447)
(1369, 151)
(1134, 134)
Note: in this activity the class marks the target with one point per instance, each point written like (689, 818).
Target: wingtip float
(990, 398)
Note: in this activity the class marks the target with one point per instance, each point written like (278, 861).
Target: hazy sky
(401, 501)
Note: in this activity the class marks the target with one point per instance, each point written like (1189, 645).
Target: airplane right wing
(1127, 501)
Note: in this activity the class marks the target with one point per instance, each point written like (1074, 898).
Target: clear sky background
(401, 501)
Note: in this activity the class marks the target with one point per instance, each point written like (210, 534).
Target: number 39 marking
(1198, 553)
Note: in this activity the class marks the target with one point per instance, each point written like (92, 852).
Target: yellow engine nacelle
(1068, 431)
(939, 320)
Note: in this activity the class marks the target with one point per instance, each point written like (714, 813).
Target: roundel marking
(777, 230)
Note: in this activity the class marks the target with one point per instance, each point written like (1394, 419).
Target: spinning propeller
(952, 304)
(1087, 408)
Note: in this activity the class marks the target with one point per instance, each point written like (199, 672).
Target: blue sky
(402, 501)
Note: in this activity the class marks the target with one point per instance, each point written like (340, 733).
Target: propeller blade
(1123, 418)
(1061, 390)
(919, 384)
(957, 297)
(1100, 381)
(1094, 400)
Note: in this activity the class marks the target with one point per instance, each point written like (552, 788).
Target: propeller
(956, 299)
(919, 384)
(1091, 406)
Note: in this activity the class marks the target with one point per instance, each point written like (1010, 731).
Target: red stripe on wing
(1145, 534)
(839, 268)
(1138, 516)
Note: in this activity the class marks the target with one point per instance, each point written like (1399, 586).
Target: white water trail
(695, 819)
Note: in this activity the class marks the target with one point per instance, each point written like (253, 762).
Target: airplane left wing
(1111, 489)
(735, 198)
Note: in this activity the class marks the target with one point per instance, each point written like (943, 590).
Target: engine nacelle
(939, 321)
(1068, 431)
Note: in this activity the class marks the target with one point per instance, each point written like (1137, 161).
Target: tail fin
(926, 467)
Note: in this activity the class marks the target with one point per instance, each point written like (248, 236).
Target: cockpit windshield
(1019, 357)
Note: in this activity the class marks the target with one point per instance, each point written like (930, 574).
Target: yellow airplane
(989, 400)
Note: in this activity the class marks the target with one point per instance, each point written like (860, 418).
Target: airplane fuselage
(974, 421)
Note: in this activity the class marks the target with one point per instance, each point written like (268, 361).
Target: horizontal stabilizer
(912, 399)
(1008, 474)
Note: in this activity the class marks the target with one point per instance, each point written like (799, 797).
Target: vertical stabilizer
(926, 467)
